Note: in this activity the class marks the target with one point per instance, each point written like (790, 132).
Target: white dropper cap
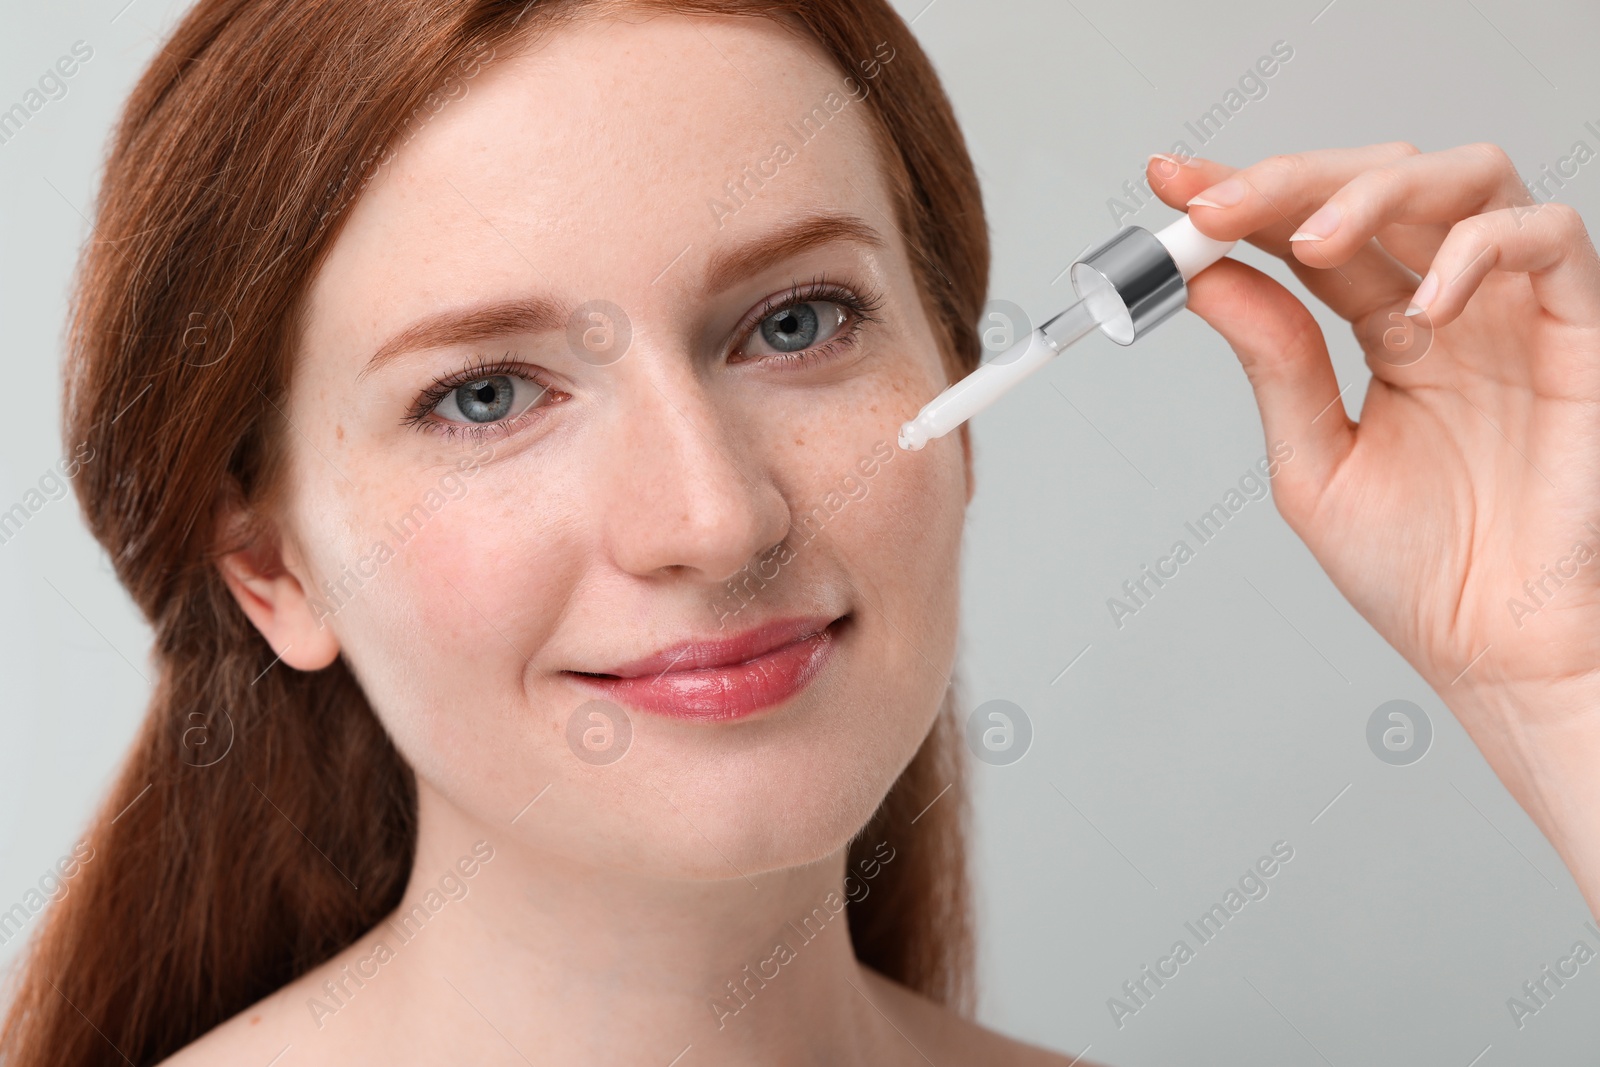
(1190, 249)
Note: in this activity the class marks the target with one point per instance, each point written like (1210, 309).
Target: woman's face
(600, 425)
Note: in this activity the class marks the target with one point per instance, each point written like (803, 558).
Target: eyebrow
(462, 325)
(789, 240)
(502, 318)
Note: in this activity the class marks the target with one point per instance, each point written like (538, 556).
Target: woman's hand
(1461, 517)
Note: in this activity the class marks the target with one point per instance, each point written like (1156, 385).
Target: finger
(1413, 246)
(1177, 179)
(1282, 351)
(1370, 280)
(1547, 241)
(1273, 197)
(1437, 188)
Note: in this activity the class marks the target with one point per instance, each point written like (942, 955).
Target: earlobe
(293, 623)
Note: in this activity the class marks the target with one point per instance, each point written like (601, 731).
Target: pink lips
(723, 679)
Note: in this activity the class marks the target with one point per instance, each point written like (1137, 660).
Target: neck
(573, 962)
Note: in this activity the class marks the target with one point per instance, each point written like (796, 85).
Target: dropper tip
(913, 435)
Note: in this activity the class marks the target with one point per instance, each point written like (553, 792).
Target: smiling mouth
(711, 681)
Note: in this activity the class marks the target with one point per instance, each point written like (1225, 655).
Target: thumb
(1283, 353)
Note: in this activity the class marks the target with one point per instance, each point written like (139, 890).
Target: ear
(252, 563)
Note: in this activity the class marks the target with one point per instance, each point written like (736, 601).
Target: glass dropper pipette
(1126, 286)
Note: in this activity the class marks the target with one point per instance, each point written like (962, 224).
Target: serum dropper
(1127, 285)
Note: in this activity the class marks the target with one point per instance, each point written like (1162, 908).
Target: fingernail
(1424, 294)
(1187, 161)
(1319, 225)
(1223, 194)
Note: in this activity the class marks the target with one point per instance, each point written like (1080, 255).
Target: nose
(683, 492)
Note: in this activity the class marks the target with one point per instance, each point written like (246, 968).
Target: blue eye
(490, 399)
(799, 326)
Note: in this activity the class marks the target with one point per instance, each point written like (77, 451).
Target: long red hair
(230, 170)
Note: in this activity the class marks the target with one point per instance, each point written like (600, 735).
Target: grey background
(1226, 716)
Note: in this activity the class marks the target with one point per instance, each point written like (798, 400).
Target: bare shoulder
(276, 1030)
(255, 1035)
(930, 1025)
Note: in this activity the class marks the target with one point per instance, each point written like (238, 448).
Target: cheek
(893, 537)
(923, 505)
(901, 544)
(897, 550)
(471, 587)
(899, 514)
(896, 516)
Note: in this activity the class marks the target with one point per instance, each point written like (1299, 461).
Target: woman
(489, 405)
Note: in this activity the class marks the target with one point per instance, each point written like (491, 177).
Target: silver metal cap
(1133, 280)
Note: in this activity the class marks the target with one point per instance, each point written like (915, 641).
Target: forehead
(607, 160)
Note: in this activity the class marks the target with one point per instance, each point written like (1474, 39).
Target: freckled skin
(607, 526)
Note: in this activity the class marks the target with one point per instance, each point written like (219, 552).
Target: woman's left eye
(796, 327)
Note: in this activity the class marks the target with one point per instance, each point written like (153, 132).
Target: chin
(787, 801)
(711, 810)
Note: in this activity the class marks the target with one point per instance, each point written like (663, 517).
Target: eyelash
(434, 395)
(861, 307)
